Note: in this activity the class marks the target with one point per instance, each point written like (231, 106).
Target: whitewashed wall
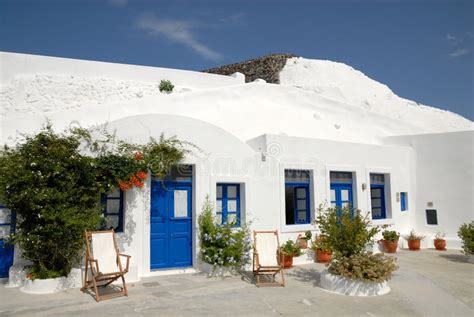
(444, 170)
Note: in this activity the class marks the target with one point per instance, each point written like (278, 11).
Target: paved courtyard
(428, 283)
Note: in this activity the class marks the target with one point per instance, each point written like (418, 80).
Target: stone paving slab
(428, 283)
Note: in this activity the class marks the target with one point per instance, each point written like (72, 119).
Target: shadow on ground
(455, 257)
(305, 275)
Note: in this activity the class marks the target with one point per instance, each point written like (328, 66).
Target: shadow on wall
(130, 226)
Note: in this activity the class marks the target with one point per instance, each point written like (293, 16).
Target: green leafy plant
(466, 234)
(346, 231)
(54, 183)
(166, 86)
(390, 235)
(320, 243)
(413, 236)
(290, 248)
(365, 266)
(222, 245)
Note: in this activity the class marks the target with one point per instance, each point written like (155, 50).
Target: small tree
(466, 233)
(345, 230)
(53, 190)
(166, 86)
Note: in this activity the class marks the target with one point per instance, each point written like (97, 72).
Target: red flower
(138, 156)
(123, 185)
(141, 175)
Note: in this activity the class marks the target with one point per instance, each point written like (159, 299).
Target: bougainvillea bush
(55, 189)
(222, 245)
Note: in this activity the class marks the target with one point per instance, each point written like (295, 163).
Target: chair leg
(97, 295)
(282, 278)
(124, 286)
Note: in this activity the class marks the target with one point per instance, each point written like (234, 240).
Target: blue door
(341, 195)
(171, 224)
(7, 226)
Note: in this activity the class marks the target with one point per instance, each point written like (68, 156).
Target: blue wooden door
(341, 195)
(7, 221)
(171, 225)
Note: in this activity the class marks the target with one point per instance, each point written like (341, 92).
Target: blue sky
(423, 50)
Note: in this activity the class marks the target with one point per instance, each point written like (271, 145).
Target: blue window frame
(297, 197)
(113, 210)
(228, 204)
(377, 196)
(341, 189)
(7, 227)
(403, 201)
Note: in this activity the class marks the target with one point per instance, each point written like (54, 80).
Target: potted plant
(289, 250)
(390, 240)
(303, 240)
(414, 240)
(439, 242)
(321, 250)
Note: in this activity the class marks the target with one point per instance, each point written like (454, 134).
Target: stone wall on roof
(265, 67)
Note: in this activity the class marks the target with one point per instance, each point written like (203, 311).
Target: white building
(269, 154)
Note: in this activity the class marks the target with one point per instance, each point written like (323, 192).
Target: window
(377, 196)
(228, 204)
(113, 210)
(297, 197)
(7, 222)
(431, 217)
(403, 201)
(341, 189)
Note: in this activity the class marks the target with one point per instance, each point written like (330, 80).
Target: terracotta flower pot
(323, 256)
(303, 243)
(287, 261)
(390, 246)
(440, 244)
(414, 245)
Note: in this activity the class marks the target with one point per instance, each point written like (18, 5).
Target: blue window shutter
(403, 201)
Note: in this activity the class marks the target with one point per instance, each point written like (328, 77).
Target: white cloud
(118, 3)
(238, 18)
(460, 52)
(179, 31)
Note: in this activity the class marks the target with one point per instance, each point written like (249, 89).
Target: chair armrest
(128, 260)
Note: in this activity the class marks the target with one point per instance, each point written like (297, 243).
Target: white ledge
(344, 286)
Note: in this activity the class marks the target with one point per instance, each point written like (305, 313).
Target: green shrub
(466, 233)
(166, 86)
(390, 235)
(222, 245)
(290, 248)
(365, 266)
(55, 189)
(346, 231)
(54, 192)
(413, 236)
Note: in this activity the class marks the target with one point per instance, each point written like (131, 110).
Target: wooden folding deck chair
(103, 263)
(266, 258)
